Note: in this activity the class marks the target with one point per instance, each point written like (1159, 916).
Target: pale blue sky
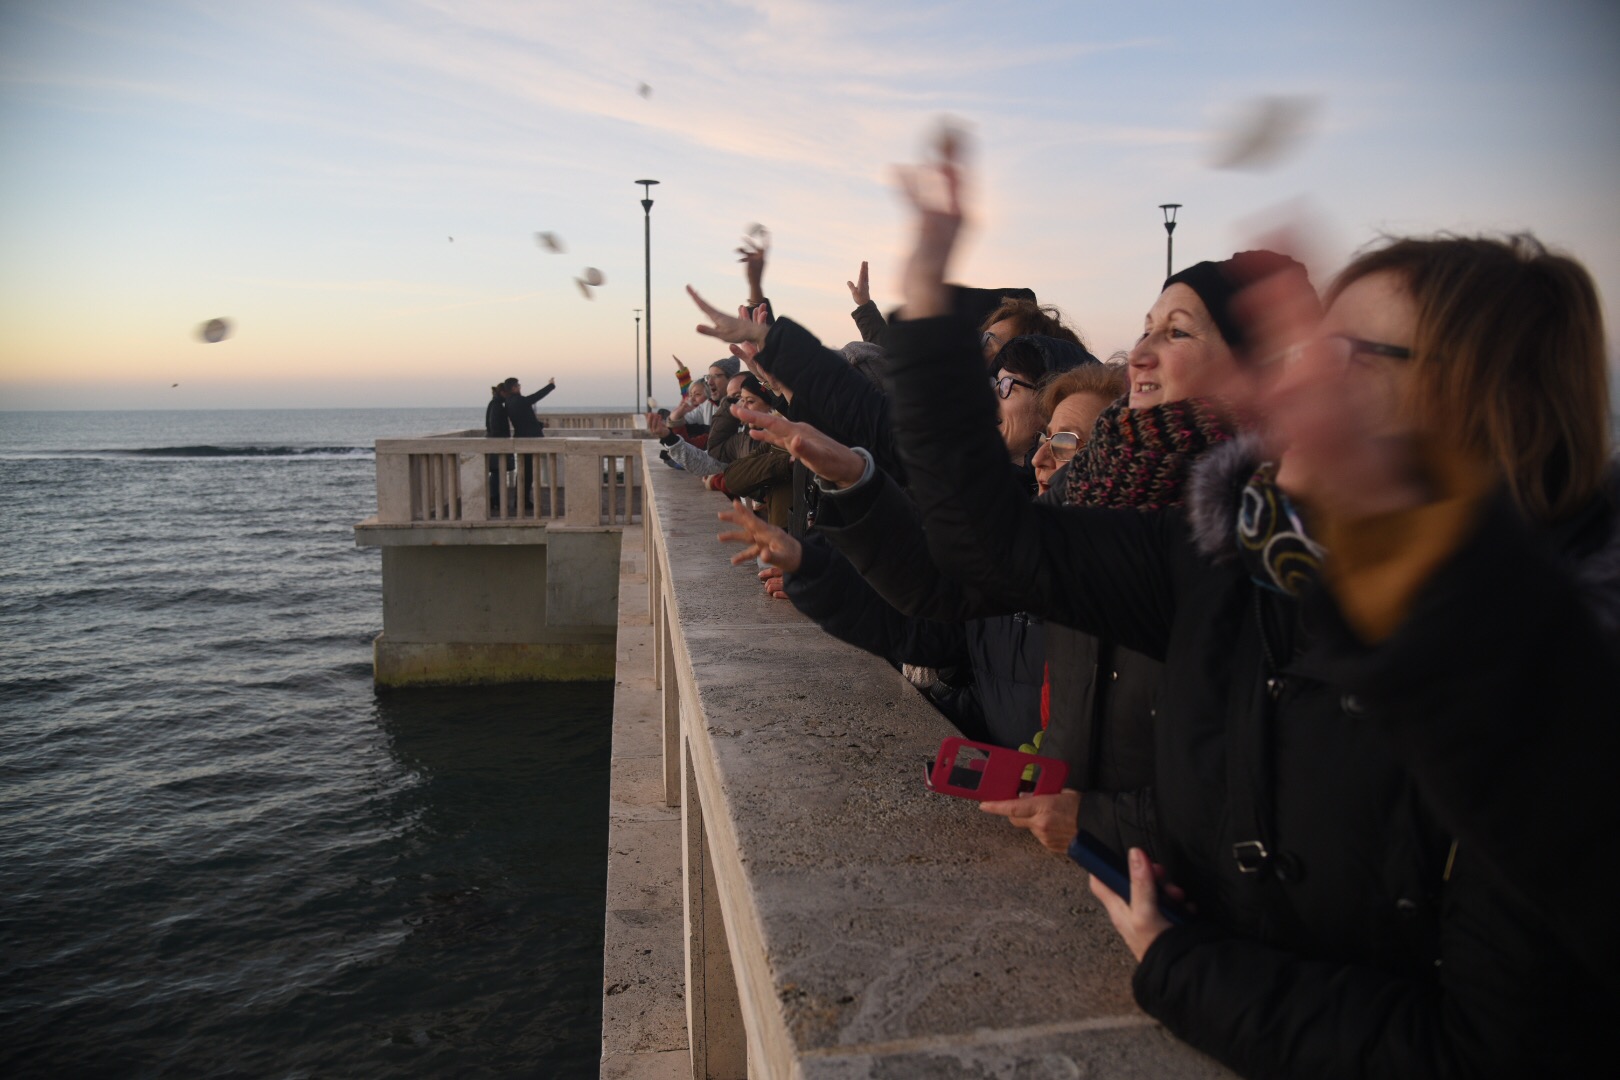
(299, 167)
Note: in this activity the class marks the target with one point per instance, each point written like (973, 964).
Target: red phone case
(1000, 771)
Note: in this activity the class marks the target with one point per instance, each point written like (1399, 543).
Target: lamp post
(635, 406)
(646, 209)
(1169, 209)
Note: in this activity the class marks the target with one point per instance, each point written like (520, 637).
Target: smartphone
(1104, 864)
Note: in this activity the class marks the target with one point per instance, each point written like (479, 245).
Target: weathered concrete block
(582, 576)
(428, 663)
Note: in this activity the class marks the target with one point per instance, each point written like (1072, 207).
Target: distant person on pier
(497, 425)
(526, 425)
(520, 408)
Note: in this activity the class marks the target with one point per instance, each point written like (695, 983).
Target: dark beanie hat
(1217, 283)
(1035, 356)
(728, 364)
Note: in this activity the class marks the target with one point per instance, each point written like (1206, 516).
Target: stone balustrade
(462, 479)
(838, 920)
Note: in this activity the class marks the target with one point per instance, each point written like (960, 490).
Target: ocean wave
(200, 451)
(211, 451)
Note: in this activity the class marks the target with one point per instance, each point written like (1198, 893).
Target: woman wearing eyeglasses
(1072, 401)
(1367, 662)
(1023, 366)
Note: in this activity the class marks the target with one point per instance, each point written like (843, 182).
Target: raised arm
(1108, 572)
(828, 393)
(868, 319)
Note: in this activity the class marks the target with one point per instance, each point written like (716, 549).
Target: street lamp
(635, 407)
(646, 208)
(1169, 209)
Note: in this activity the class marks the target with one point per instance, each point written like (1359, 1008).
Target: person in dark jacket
(496, 426)
(1343, 930)
(520, 408)
(525, 425)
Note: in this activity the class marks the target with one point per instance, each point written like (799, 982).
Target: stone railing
(466, 479)
(840, 920)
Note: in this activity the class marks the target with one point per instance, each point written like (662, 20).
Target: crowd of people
(1317, 595)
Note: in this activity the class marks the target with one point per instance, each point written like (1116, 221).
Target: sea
(224, 853)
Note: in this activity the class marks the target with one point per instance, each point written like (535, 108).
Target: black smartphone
(1104, 863)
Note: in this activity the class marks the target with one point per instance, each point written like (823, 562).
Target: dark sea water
(223, 853)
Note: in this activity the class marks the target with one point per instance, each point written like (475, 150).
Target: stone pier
(785, 897)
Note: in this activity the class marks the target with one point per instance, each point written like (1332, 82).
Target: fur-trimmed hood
(1215, 494)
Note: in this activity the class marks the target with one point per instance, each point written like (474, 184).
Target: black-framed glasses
(1063, 444)
(1005, 384)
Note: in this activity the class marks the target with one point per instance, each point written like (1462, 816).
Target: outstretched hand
(733, 328)
(860, 290)
(775, 585)
(934, 191)
(762, 540)
(1051, 819)
(747, 350)
(752, 256)
(823, 455)
(657, 425)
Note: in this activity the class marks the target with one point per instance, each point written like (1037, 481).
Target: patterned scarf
(1271, 537)
(1141, 458)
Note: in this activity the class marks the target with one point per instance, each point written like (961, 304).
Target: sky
(301, 169)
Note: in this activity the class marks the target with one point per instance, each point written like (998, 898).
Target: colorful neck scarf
(1141, 458)
(1271, 537)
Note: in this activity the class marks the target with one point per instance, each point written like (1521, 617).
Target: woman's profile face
(1181, 354)
(1076, 413)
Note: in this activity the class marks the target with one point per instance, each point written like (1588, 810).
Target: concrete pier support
(502, 603)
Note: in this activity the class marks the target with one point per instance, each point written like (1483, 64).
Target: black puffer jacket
(1364, 944)
(828, 393)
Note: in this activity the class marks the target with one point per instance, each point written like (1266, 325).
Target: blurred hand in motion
(775, 585)
(934, 192)
(761, 539)
(752, 256)
(1051, 819)
(657, 425)
(1139, 922)
(551, 382)
(860, 290)
(735, 329)
(826, 457)
(747, 350)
